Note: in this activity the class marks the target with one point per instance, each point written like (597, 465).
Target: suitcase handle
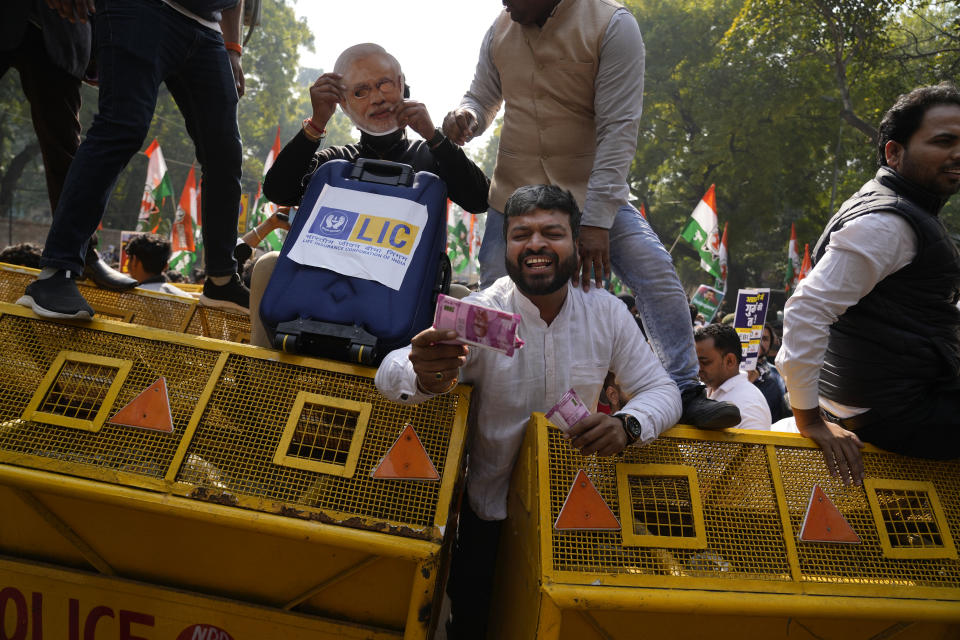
(382, 172)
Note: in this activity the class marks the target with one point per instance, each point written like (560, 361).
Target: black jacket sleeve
(467, 185)
(286, 181)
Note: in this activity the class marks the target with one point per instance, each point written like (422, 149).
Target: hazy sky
(436, 41)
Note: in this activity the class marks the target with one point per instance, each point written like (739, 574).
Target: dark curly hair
(151, 250)
(23, 254)
(903, 119)
(725, 339)
(542, 196)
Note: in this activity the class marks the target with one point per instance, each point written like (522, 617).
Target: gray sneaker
(56, 297)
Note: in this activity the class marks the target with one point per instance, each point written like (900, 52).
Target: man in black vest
(876, 322)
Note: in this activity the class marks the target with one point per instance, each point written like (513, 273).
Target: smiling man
(572, 339)
(876, 322)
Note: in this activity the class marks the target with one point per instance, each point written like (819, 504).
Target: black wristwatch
(437, 138)
(631, 426)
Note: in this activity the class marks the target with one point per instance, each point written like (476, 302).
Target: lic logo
(334, 223)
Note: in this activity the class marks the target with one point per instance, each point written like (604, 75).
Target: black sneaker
(56, 297)
(232, 296)
(701, 411)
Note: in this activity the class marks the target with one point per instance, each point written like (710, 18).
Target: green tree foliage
(775, 101)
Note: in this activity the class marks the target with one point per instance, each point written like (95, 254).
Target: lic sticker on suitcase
(362, 235)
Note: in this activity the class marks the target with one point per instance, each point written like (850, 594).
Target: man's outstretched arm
(481, 102)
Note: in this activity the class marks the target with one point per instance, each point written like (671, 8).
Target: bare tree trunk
(12, 176)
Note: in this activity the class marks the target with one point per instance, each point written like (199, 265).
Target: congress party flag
(702, 232)
(182, 231)
(155, 190)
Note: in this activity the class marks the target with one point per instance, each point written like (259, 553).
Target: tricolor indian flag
(155, 190)
(702, 232)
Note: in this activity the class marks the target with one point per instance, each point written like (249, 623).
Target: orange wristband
(233, 46)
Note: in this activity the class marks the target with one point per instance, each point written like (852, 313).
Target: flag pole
(679, 235)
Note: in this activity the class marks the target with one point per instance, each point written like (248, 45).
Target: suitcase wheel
(361, 354)
(285, 342)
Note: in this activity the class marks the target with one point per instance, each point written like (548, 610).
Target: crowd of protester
(558, 223)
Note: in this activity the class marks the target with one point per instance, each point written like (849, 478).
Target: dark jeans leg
(206, 93)
(929, 428)
(54, 97)
(136, 45)
(471, 575)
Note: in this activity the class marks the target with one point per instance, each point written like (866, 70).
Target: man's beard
(564, 271)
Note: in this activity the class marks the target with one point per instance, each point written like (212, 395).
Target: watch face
(631, 425)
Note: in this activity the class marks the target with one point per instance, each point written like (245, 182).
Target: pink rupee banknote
(478, 325)
(568, 412)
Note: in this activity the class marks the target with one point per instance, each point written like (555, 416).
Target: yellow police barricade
(143, 307)
(152, 481)
(737, 534)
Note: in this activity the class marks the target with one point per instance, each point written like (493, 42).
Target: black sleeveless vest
(902, 340)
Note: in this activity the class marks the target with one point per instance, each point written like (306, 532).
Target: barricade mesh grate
(742, 525)
(159, 312)
(30, 348)
(243, 423)
(908, 519)
(661, 506)
(866, 563)
(323, 433)
(149, 311)
(78, 390)
(220, 324)
(240, 425)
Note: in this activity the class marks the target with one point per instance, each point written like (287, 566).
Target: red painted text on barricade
(22, 618)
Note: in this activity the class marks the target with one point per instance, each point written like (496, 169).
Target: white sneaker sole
(28, 301)
(225, 305)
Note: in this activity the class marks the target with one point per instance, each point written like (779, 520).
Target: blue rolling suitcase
(333, 313)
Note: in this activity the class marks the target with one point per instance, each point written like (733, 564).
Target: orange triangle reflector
(585, 508)
(149, 410)
(824, 522)
(406, 460)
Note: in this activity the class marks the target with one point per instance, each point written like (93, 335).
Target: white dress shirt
(754, 410)
(164, 287)
(861, 254)
(617, 105)
(593, 333)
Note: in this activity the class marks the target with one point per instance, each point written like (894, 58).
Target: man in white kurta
(572, 339)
